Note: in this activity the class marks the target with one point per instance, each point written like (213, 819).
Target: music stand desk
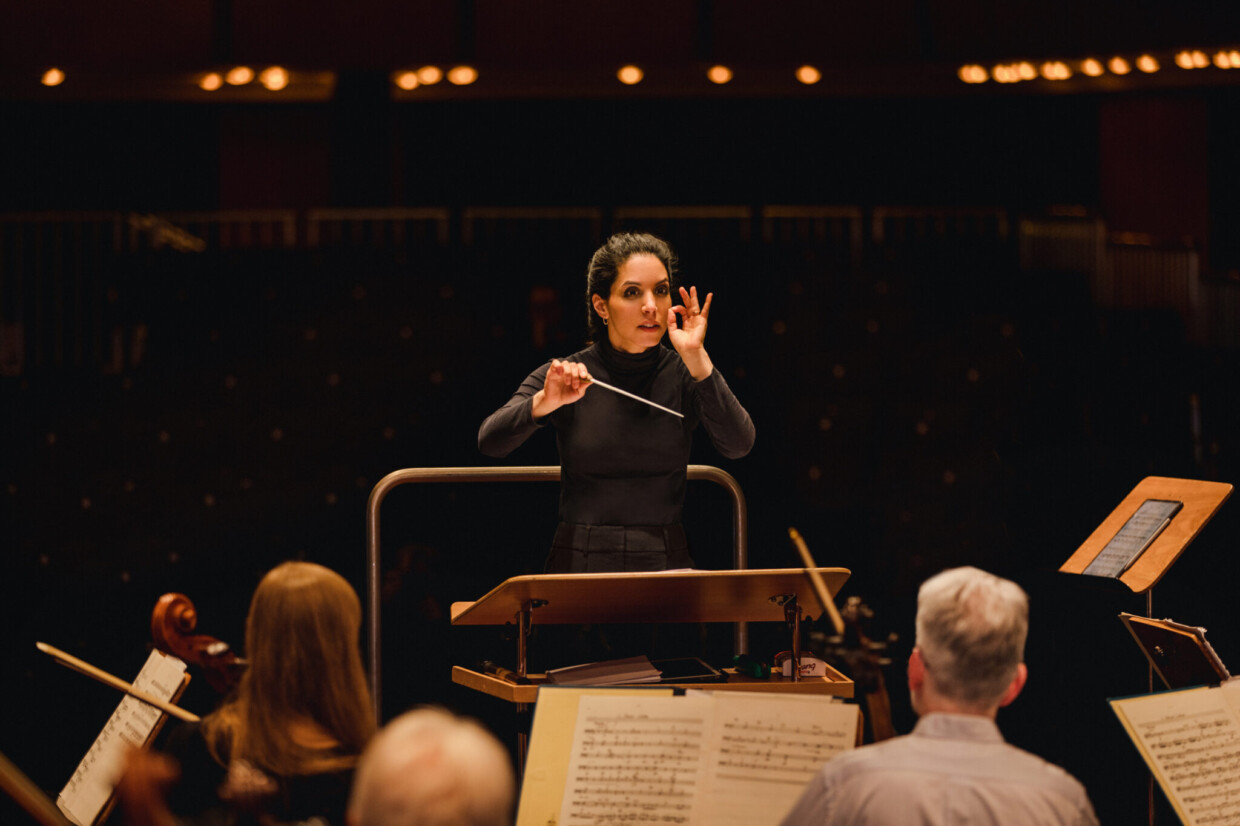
(1201, 501)
(835, 683)
(664, 596)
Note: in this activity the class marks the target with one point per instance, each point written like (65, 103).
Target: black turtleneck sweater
(623, 462)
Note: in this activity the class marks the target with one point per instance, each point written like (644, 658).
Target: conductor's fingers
(706, 305)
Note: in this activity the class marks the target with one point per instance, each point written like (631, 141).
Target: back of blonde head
(302, 706)
(431, 768)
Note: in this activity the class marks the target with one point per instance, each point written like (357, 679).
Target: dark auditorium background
(967, 317)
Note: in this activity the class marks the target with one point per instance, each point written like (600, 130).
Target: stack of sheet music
(608, 672)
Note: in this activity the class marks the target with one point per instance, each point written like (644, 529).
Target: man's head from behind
(971, 629)
(429, 767)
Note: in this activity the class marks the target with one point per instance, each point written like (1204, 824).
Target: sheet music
(1192, 740)
(1141, 529)
(704, 758)
(635, 760)
(92, 784)
(764, 750)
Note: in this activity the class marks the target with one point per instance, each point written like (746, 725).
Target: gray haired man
(954, 767)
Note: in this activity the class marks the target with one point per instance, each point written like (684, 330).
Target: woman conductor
(624, 462)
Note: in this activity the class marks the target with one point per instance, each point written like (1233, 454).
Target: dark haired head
(606, 263)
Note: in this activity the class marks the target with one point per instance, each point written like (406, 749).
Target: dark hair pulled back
(605, 265)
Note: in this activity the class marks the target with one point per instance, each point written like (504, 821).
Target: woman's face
(636, 310)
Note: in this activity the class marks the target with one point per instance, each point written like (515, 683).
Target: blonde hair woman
(292, 732)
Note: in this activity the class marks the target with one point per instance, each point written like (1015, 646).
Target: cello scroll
(172, 625)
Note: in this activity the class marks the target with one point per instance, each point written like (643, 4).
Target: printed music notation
(635, 760)
(764, 750)
(776, 748)
(1191, 741)
(723, 758)
(90, 788)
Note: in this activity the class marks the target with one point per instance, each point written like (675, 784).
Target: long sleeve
(622, 462)
(507, 428)
(727, 423)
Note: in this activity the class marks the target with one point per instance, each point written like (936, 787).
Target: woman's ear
(600, 306)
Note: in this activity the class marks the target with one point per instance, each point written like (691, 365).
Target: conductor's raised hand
(688, 333)
(566, 382)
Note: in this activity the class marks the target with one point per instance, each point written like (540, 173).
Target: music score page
(705, 758)
(1190, 739)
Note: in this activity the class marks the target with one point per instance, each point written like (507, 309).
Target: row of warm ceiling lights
(1093, 67)
(718, 74)
(430, 75)
(629, 75)
(276, 78)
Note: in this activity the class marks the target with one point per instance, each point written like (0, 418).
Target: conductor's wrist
(541, 406)
(698, 364)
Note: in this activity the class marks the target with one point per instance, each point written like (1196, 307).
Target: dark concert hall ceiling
(158, 49)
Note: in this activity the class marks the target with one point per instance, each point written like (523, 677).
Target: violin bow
(116, 682)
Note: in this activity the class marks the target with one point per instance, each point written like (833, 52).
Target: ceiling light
(406, 80)
(1119, 66)
(1147, 64)
(1056, 70)
(1092, 67)
(239, 75)
(210, 82)
(53, 77)
(430, 75)
(630, 75)
(719, 74)
(808, 75)
(973, 74)
(462, 75)
(1005, 74)
(274, 78)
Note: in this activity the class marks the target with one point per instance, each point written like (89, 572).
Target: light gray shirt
(954, 769)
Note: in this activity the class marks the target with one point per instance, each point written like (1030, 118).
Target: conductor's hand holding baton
(566, 383)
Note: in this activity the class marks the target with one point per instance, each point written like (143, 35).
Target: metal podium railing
(534, 473)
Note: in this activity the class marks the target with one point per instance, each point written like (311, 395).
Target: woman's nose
(650, 305)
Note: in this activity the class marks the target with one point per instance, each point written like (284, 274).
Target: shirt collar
(621, 363)
(944, 726)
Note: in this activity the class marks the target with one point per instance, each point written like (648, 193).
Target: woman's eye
(630, 292)
(662, 289)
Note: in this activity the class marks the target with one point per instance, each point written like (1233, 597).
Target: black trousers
(594, 549)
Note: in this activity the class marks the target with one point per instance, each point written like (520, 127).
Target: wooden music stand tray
(666, 596)
(1180, 654)
(1201, 501)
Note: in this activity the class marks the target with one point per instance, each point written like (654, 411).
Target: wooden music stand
(1201, 501)
(664, 596)
(1181, 654)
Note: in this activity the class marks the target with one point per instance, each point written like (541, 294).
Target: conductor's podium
(770, 595)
